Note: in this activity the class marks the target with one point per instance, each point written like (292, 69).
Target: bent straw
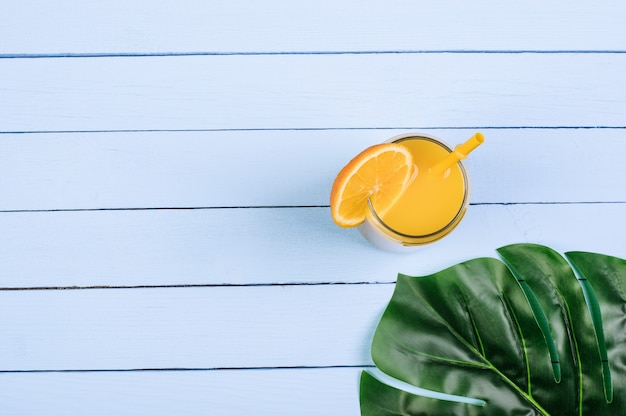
(460, 152)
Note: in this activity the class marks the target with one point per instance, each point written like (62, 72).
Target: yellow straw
(460, 152)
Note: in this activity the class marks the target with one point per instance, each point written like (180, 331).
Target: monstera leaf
(534, 334)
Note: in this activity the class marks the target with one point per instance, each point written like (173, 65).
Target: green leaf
(604, 280)
(517, 334)
(378, 398)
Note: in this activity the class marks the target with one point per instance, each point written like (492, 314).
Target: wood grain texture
(286, 392)
(226, 26)
(190, 328)
(165, 169)
(265, 246)
(312, 91)
(286, 168)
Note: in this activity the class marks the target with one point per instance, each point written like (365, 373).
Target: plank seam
(265, 53)
(183, 369)
(197, 285)
(254, 129)
(245, 207)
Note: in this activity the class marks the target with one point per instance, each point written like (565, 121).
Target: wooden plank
(190, 328)
(137, 26)
(296, 168)
(263, 246)
(312, 91)
(279, 392)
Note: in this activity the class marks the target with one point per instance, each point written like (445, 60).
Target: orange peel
(379, 173)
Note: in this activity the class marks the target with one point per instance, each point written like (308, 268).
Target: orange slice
(380, 173)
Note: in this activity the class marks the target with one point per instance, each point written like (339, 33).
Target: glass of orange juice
(430, 207)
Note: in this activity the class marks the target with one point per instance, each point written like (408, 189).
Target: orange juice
(430, 207)
(430, 202)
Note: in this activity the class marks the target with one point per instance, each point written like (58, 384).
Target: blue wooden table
(165, 167)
